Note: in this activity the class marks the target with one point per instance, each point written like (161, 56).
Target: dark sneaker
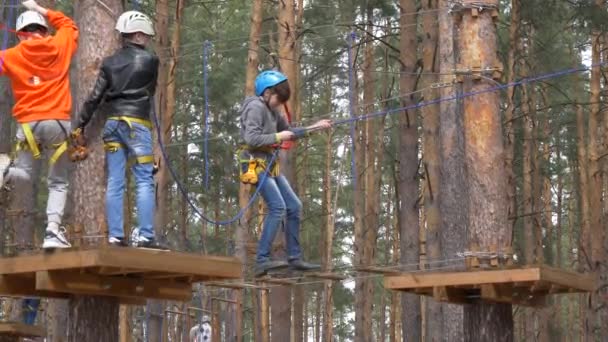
(116, 241)
(55, 239)
(152, 243)
(301, 265)
(5, 162)
(270, 265)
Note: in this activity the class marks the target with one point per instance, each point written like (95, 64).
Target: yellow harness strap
(31, 141)
(113, 146)
(130, 120)
(59, 150)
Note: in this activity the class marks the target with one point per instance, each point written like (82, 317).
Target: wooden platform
(21, 330)
(523, 286)
(131, 274)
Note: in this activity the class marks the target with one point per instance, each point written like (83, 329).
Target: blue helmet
(268, 79)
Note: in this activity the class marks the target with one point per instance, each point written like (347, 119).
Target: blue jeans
(136, 142)
(281, 201)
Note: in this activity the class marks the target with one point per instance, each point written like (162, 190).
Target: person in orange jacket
(38, 69)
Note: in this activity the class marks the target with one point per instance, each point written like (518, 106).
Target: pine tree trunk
(509, 118)
(408, 163)
(595, 180)
(487, 205)
(363, 323)
(328, 236)
(166, 98)
(155, 308)
(453, 194)
(431, 163)
(280, 297)
(527, 188)
(366, 244)
(92, 318)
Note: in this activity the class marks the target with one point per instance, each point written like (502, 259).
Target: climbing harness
(31, 144)
(255, 161)
(113, 146)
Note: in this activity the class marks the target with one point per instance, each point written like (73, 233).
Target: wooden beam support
(24, 286)
(21, 330)
(88, 284)
(450, 294)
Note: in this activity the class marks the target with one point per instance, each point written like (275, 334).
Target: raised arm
(66, 37)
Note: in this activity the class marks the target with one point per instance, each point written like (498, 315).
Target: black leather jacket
(127, 82)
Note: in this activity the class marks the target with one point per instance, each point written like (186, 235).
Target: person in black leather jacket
(127, 83)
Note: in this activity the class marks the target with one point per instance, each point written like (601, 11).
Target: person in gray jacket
(263, 128)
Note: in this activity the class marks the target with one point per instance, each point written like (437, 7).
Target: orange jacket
(39, 72)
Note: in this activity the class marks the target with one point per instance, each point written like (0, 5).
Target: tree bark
(280, 297)
(242, 230)
(163, 50)
(431, 162)
(92, 318)
(595, 253)
(328, 236)
(486, 179)
(509, 111)
(452, 197)
(408, 172)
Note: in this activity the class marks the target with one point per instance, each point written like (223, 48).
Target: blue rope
(469, 94)
(206, 48)
(9, 20)
(184, 192)
(351, 100)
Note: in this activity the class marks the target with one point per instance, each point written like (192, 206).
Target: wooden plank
(326, 275)
(21, 330)
(164, 275)
(171, 262)
(88, 284)
(48, 261)
(378, 270)
(572, 280)
(415, 280)
(135, 259)
(236, 286)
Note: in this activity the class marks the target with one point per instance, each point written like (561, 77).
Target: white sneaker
(5, 161)
(55, 239)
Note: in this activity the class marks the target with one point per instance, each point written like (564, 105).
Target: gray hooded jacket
(259, 124)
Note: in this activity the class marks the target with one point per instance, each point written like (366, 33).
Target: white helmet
(30, 18)
(134, 21)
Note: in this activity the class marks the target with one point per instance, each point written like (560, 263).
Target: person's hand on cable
(320, 125)
(285, 136)
(32, 5)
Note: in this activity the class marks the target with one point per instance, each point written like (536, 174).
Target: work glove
(31, 5)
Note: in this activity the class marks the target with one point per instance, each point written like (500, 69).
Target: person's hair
(282, 90)
(34, 28)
